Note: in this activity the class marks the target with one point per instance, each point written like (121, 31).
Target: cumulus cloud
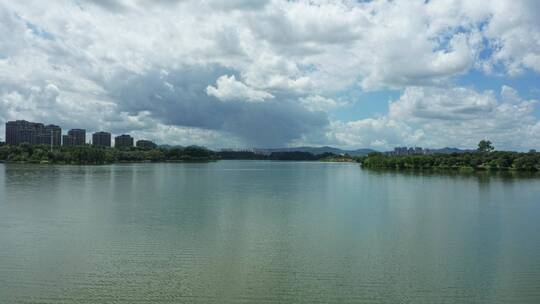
(264, 72)
(514, 34)
(228, 88)
(320, 103)
(179, 97)
(438, 117)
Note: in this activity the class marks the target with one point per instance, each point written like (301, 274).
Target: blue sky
(369, 104)
(273, 73)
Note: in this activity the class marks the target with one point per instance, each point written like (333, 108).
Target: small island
(484, 158)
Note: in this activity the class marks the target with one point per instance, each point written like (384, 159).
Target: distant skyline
(275, 73)
(40, 130)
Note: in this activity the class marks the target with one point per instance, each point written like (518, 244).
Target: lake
(265, 232)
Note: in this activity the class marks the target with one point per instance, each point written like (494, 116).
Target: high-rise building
(400, 151)
(146, 144)
(79, 136)
(123, 141)
(68, 140)
(102, 139)
(74, 137)
(11, 133)
(52, 135)
(22, 131)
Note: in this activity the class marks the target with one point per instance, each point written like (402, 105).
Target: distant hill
(319, 150)
(445, 150)
(337, 151)
(168, 147)
(448, 150)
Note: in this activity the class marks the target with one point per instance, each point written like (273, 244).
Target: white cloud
(186, 136)
(379, 133)
(228, 88)
(320, 103)
(514, 33)
(452, 104)
(79, 62)
(438, 117)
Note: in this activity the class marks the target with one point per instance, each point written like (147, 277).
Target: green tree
(485, 146)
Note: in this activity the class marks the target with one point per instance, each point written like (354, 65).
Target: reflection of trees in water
(483, 176)
(31, 174)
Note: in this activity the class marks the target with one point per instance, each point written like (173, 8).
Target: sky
(276, 73)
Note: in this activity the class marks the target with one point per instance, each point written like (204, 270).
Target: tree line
(88, 154)
(99, 155)
(484, 158)
(283, 156)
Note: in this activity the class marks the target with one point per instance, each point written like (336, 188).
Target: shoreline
(450, 169)
(164, 162)
(91, 155)
(462, 162)
(105, 163)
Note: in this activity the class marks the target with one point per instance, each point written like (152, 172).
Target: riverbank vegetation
(284, 156)
(485, 158)
(91, 155)
(98, 155)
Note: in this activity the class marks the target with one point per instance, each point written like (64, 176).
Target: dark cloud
(112, 5)
(119, 6)
(178, 97)
(238, 4)
(145, 65)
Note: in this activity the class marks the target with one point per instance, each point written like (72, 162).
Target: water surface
(265, 232)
